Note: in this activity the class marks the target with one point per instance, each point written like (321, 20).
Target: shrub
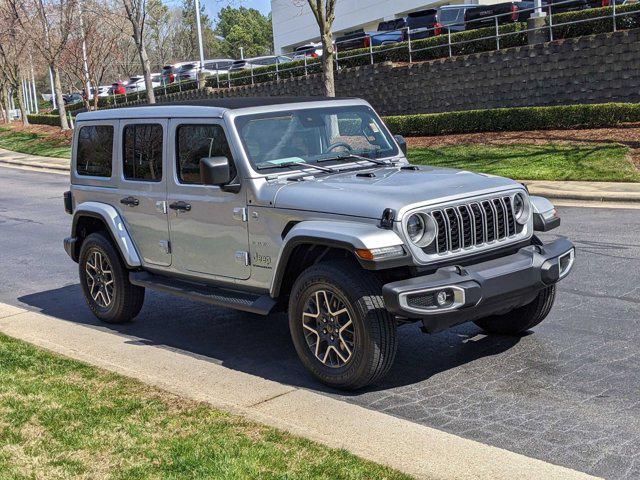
(44, 119)
(595, 20)
(515, 119)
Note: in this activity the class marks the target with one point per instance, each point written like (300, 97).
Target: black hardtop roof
(233, 103)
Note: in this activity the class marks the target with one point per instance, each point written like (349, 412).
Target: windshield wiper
(352, 156)
(295, 165)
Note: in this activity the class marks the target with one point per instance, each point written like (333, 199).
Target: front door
(208, 225)
(143, 188)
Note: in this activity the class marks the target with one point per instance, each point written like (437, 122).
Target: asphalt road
(568, 393)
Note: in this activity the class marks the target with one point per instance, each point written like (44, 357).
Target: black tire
(522, 318)
(126, 298)
(374, 329)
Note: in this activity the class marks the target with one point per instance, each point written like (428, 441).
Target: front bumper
(453, 295)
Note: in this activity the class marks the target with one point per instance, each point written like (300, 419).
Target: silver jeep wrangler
(307, 206)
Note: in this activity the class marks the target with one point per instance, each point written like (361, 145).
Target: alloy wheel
(328, 328)
(100, 278)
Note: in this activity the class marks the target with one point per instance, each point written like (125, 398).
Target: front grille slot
(474, 224)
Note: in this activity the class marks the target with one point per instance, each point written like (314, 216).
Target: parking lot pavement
(568, 393)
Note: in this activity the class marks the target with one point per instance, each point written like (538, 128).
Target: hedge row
(515, 119)
(594, 20)
(43, 119)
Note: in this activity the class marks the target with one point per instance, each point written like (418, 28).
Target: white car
(215, 66)
(103, 91)
(136, 83)
(257, 62)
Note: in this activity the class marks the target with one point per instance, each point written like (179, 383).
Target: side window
(94, 154)
(142, 152)
(194, 142)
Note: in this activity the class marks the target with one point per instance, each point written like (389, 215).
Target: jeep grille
(474, 224)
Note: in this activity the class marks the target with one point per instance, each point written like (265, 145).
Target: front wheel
(522, 318)
(339, 326)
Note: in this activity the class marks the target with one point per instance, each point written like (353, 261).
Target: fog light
(442, 298)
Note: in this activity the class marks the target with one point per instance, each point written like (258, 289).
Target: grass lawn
(60, 418)
(553, 161)
(34, 143)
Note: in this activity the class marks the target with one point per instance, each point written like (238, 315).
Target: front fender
(114, 223)
(349, 236)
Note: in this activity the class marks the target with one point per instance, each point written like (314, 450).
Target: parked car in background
(102, 90)
(136, 83)
(424, 24)
(117, 88)
(482, 16)
(312, 50)
(388, 33)
(257, 62)
(72, 98)
(452, 17)
(189, 71)
(169, 73)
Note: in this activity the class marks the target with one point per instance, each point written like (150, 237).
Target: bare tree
(52, 21)
(12, 54)
(324, 12)
(137, 15)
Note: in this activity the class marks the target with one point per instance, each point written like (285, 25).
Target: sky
(212, 7)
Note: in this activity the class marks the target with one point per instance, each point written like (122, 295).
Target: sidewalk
(587, 191)
(417, 450)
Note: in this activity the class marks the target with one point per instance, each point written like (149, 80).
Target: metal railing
(413, 46)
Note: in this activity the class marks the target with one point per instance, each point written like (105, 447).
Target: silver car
(218, 66)
(308, 207)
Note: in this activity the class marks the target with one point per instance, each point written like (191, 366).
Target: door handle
(131, 201)
(180, 206)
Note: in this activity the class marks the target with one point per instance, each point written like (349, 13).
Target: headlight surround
(421, 229)
(521, 208)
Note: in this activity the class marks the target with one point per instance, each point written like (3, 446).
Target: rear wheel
(522, 318)
(339, 326)
(105, 281)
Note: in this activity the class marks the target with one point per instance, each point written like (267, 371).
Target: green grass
(33, 143)
(60, 418)
(599, 162)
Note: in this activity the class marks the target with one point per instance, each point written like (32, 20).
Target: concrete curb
(406, 446)
(38, 165)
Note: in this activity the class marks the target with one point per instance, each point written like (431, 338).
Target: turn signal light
(380, 253)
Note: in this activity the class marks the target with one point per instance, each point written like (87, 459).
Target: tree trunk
(57, 89)
(21, 106)
(328, 53)
(146, 70)
(4, 105)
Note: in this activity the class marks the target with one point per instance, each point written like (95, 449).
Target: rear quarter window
(94, 151)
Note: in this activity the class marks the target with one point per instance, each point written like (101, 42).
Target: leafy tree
(247, 28)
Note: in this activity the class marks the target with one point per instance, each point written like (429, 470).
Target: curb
(415, 449)
(39, 165)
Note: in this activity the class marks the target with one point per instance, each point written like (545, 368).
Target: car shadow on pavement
(261, 345)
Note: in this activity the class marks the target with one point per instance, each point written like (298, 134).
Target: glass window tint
(194, 142)
(94, 154)
(142, 152)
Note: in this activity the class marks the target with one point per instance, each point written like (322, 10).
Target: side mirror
(215, 171)
(402, 143)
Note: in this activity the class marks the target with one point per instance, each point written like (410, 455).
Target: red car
(117, 89)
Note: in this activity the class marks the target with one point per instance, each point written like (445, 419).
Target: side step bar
(222, 297)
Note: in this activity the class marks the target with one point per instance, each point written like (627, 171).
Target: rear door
(143, 187)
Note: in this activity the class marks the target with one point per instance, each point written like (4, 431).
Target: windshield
(311, 136)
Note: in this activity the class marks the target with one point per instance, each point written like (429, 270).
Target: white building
(294, 23)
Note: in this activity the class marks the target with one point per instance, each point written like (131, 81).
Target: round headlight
(520, 208)
(421, 229)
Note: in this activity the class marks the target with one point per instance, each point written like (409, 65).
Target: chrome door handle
(131, 201)
(180, 206)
